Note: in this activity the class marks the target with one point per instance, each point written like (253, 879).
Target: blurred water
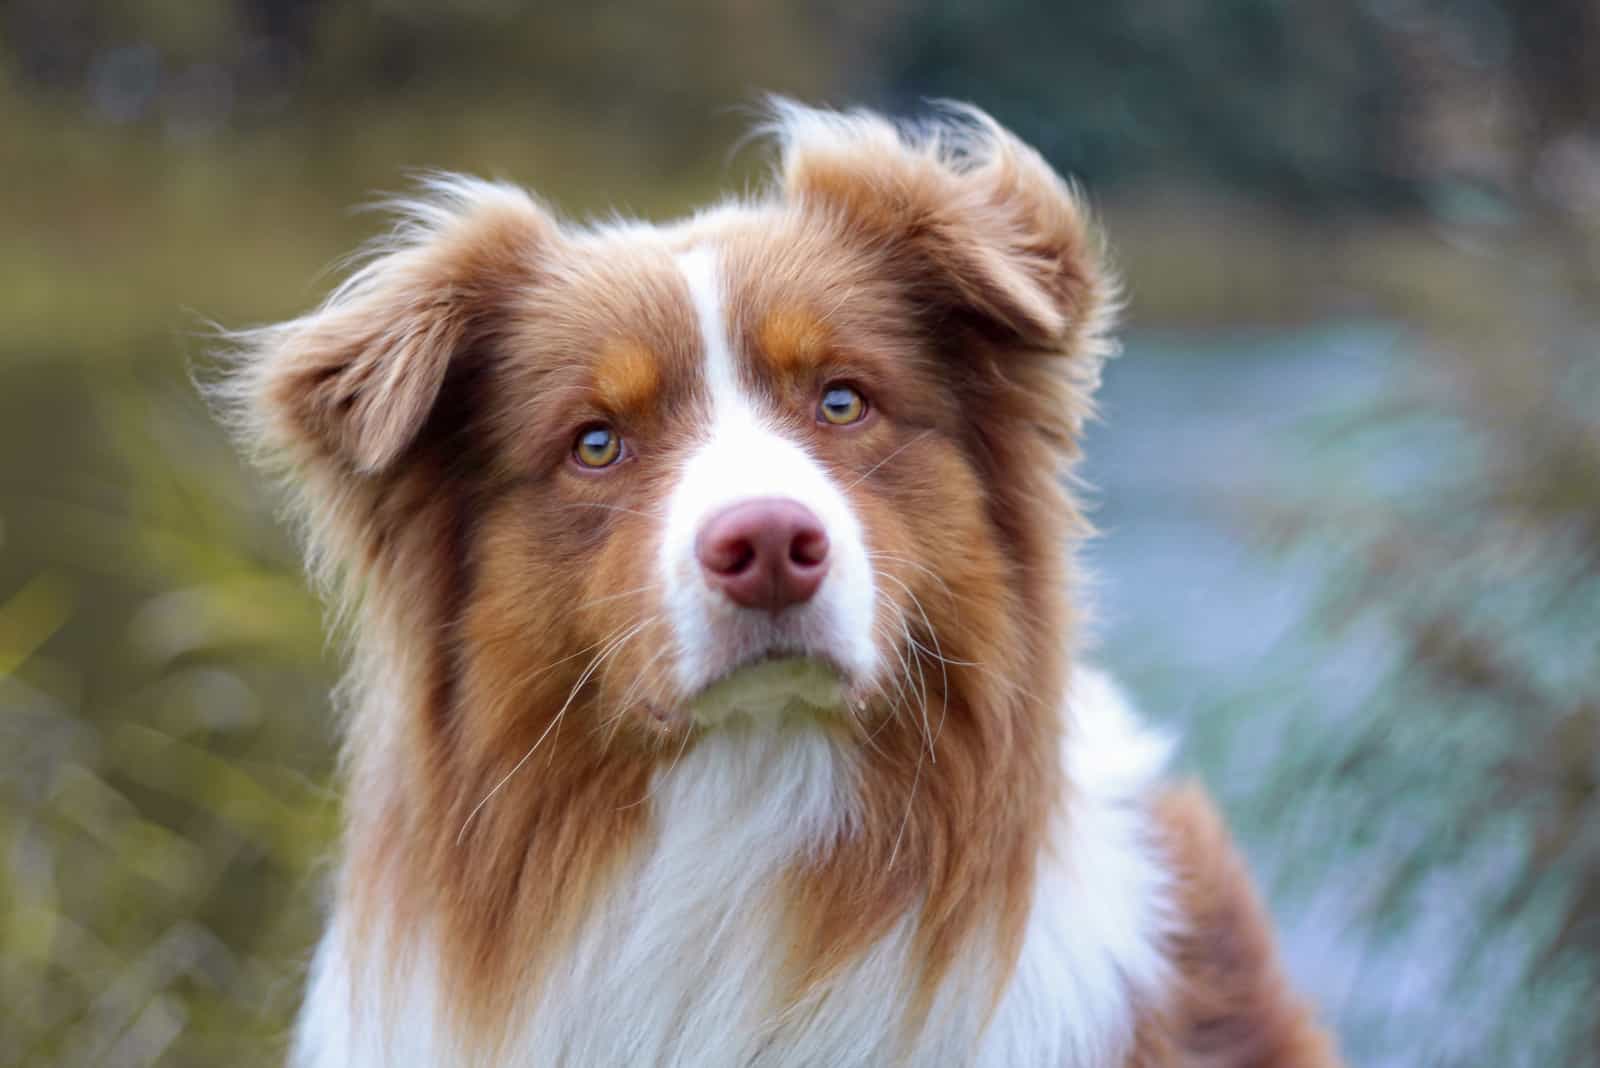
(1191, 439)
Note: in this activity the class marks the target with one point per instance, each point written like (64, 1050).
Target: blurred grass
(165, 746)
(1417, 759)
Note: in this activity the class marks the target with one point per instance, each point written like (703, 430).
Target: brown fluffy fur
(1231, 1006)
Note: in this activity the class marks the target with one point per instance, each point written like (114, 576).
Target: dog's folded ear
(355, 381)
(974, 217)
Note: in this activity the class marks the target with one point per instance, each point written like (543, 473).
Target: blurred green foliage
(166, 771)
(1457, 523)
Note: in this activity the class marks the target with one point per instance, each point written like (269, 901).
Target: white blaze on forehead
(743, 455)
(699, 267)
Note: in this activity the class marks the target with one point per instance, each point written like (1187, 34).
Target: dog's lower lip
(774, 656)
(775, 683)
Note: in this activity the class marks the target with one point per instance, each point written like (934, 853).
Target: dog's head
(600, 470)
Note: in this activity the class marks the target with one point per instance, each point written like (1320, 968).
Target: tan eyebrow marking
(792, 339)
(627, 375)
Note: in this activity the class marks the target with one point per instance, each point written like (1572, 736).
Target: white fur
(743, 456)
(1102, 904)
(677, 966)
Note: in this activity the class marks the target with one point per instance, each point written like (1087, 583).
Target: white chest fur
(678, 967)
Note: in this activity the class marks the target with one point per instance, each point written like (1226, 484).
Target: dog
(715, 694)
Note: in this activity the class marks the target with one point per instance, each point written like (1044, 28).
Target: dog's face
(741, 450)
(613, 470)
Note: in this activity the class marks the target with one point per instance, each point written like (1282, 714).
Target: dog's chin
(772, 689)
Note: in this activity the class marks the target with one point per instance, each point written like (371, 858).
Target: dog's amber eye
(841, 406)
(597, 446)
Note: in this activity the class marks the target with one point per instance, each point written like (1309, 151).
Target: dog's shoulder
(1223, 999)
(1231, 1005)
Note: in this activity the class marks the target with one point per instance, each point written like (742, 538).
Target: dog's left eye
(597, 446)
(841, 406)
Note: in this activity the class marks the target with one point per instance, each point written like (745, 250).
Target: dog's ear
(355, 381)
(975, 217)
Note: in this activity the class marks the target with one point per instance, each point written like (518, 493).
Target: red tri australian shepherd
(713, 696)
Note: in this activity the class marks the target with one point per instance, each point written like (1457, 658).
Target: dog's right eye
(841, 405)
(597, 446)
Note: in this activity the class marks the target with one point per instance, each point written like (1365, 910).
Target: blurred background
(1348, 476)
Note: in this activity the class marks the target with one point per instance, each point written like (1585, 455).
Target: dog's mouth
(772, 688)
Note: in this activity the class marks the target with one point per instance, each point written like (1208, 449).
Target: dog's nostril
(739, 557)
(767, 553)
(809, 548)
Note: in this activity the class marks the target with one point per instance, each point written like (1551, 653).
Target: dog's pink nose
(768, 553)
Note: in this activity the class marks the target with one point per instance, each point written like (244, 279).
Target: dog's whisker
(937, 653)
(879, 554)
(923, 752)
(553, 724)
(869, 471)
(646, 588)
(608, 507)
(905, 819)
(922, 688)
(527, 677)
(904, 681)
(901, 678)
